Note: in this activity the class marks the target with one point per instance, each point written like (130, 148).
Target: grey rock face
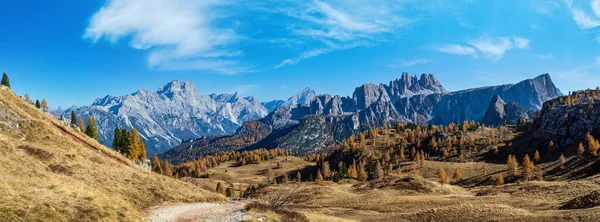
(564, 124)
(328, 119)
(499, 112)
(173, 113)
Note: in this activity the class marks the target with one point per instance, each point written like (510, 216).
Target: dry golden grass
(388, 201)
(256, 173)
(50, 172)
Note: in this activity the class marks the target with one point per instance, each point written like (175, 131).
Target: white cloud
(178, 34)
(492, 48)
(598, 60)
(544, 7)
(457, 49)
(406, 63)
(337, 25)
(536, 26)
(582, 19)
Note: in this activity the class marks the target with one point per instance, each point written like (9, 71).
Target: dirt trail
(230, 211)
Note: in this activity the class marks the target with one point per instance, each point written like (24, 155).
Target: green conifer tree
(73, 118)
(92, 130)
(5, 81)
(117, 141)
(37, 104)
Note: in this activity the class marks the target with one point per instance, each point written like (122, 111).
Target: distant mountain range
(328, 119)
(177, 112)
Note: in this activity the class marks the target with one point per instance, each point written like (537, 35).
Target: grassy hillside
(49, 171)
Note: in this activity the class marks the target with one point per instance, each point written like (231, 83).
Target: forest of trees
(130, 144)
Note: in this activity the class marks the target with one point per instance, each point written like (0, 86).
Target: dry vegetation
(52, 172)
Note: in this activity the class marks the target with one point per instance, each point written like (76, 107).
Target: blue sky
(72, 52)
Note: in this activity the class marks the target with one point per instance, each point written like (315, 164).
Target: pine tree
(457, 174)
(92, 130)
(500, 179)
(37, 104)
(44, 105)
(527, 167)
(5, 81)
(73, 118)
(117, 141)
(135, 145)
(125, 141)
(228, 192)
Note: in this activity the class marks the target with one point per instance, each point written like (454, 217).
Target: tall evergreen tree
(125, 141)
(117, 140)
(92, 130)
(5, 81)
(73, 118)
(37, 104)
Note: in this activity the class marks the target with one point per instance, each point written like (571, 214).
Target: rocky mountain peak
(500, 112)
(302, 97)
(176, 87)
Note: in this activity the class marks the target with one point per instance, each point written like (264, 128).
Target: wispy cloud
(178, 34)
(406, 63)
(246, 89)
(544, 7)
(582, 19)
(598, 60)
(490, 47)
(339, 25)
(457, 49)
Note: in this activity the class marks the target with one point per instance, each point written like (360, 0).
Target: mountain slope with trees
(53, 172)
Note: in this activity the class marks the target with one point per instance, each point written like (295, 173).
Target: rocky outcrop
(565, 124)
(499, 112)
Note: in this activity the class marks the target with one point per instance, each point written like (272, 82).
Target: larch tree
(319, 175)
(527, 167)
(562, 160)
(592, 144)
(298, 177)
(326, 170)
(379, 174)
(92, 130)
(44, 105)
(362, 171)
(580, 149)
(27, 98)
(73, 118)
(500, 179)
(443, 177)
(5, 81)
(536, 156)
(540, 174)
(155, 164)
(457, 174)
(81, 125)
(135, 145)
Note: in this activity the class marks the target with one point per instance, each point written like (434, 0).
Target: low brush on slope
(50, 172)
